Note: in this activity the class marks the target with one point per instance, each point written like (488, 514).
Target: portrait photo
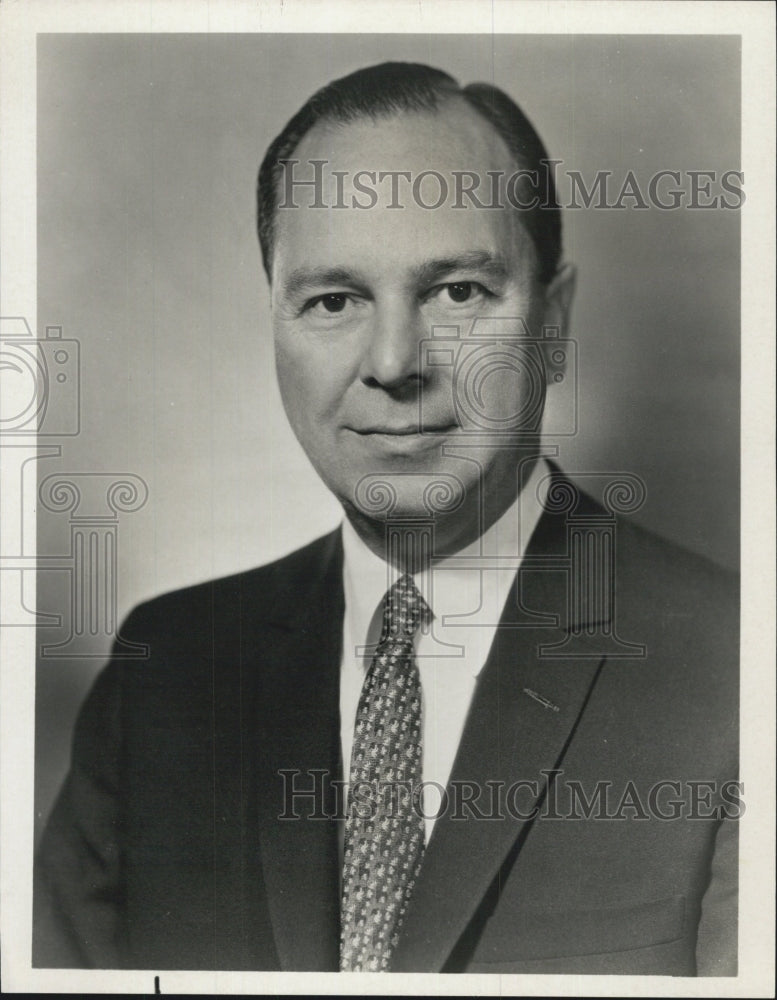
(384, 434)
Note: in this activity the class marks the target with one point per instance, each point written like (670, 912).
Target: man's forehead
(454, 137)
(404, 245)
(363, 195)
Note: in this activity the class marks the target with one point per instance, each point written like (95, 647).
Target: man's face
(356, 291)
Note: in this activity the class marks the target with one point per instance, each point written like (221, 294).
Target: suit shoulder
(662, 567)
(263, 588)
(685, 610)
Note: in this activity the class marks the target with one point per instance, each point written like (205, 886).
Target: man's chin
(409, 490)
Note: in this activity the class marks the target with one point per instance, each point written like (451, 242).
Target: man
(535, 784)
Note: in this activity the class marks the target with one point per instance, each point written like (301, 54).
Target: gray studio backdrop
(148, 148)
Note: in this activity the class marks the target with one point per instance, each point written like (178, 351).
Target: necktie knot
(404, 609)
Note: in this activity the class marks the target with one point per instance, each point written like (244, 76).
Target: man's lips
(405, 430)
(385, 440)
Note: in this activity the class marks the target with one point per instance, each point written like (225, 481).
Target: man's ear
(558, 301)
(558, 298)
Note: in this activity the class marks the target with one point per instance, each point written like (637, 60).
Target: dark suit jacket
(165, 850)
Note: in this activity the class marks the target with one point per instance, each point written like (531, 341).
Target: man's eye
(335, 302)
(460, 291)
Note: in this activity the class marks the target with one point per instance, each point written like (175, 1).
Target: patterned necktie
(384, 833)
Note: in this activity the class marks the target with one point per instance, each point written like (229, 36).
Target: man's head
(362, 277)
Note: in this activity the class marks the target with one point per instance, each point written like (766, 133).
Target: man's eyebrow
(472, 260)
(304, 278)
(427, 273)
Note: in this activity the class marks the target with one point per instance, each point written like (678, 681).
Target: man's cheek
(293, 387)
(290, 356)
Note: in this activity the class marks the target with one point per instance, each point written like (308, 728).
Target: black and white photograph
(388, 541)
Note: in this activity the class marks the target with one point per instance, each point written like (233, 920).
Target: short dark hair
(394, 87)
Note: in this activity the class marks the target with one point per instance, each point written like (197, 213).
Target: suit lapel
(523, 715)
(299, 744)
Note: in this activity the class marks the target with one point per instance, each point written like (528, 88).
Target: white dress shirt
(466, 602)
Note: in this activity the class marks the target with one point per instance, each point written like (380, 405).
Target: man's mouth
(386, 439)
(404, 430)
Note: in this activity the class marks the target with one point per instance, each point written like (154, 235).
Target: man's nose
(392, 354)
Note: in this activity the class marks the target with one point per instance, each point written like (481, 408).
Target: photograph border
(754, 22)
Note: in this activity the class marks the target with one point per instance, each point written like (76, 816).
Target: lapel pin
(541, 700)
